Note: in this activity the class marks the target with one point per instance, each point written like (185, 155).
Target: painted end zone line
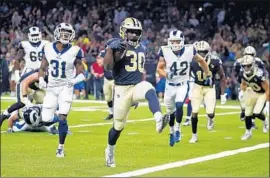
(189, 161)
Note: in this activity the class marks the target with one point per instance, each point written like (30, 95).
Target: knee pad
(211, 116)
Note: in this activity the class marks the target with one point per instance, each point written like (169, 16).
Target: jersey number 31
(55, 70)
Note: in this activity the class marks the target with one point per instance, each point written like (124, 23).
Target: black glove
(209, 81)
(118, 45)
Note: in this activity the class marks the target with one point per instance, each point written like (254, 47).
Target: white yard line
(177, 164)
(140, 104)
(137, 120)
(142, 120)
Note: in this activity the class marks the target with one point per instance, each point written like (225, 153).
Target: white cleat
(60, 153)
(210, 124)
(162, 123)
(246, 136)
(194, 138)
(265, 126)
(187, 123)
(109, 158)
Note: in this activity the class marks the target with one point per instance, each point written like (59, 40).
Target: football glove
(118, 45)
(42, 84)
(27, 102)
(223, 98)
(209, 81)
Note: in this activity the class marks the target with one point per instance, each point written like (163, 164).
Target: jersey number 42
(181, 69)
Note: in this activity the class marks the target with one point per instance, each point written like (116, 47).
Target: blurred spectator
(98, 72)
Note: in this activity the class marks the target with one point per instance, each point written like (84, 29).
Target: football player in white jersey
(174, 64)
(30, 51)
(61, 59)
(29, 119)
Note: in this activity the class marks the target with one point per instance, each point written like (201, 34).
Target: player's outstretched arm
(161, 67)
(79, 71)
(108, 60)
(203, 64)
(12, 118)
(41, 74)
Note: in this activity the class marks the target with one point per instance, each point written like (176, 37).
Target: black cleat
(2, 118)
(109, 117)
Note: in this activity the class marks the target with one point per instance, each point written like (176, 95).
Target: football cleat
(210, 124)
(162, 123)
(246, 136)
(2, 118)
(109, 156)
(109, 117)
(194, 138)
(60, 153)
(171, 139)
(187, 123)
(178, 136)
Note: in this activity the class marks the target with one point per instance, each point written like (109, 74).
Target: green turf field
(33, 154)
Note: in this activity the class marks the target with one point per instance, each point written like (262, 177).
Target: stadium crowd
(227, 26)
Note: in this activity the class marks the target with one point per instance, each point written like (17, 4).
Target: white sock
(111, 147)
(171, 129)
(177, 126)
(248, 131)
(6, 112)
(188, 118)
(158, 116)
(61, 146)
(110, 110)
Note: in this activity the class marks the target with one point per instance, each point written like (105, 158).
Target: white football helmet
(34, 35)
(248, 64)
(176, 40)
(203, 48)
(32, 115)
(250, 51)
(64, 33)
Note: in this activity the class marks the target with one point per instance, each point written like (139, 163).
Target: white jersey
(179, 65)
(61, 64)
(33, 54)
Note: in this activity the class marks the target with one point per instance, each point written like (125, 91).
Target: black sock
(242, 115)
(15, 107)
(153, 101)
(194, 122)
(172, 118)
(62, 128)
(113, 136)
(259, 116)
(110, 104)
(179, 114)
(248, 122)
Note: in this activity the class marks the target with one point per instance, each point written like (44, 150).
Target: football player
(256, 88)
(61, 59)
(29, 119)
(126, 57)
(27, 90)
(30, 51)
(249, 50)
(174, 64)
(206, 93)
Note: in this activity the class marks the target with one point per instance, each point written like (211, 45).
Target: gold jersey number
(202, 76)
(136, 61)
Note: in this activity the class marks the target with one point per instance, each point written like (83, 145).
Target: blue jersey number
(183, 68)
(55, 71)
(34, 56)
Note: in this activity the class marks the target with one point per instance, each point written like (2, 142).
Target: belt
(177, 84)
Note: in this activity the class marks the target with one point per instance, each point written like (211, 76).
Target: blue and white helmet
(32, 115)
(64, 33)
(176, 40)
(34, 35)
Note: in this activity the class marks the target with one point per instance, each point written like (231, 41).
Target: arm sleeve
(160, 52)
(80, 54)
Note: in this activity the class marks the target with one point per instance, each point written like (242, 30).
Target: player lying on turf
(27, 90)
(256, 88)
(29, 119)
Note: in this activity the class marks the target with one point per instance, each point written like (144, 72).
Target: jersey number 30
(55, 71)
(136, 60)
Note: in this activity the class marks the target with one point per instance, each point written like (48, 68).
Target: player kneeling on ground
(126, 57)
(256, 88)
(204, 92)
